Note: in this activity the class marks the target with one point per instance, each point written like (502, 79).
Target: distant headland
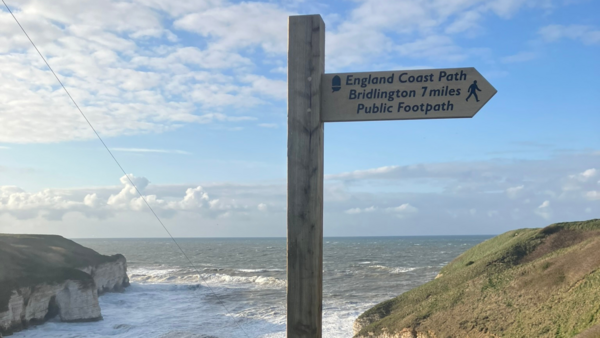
(523, 283)
(44, 276)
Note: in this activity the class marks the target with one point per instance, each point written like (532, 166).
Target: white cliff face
(109, 277)
(77, 302)
(71, 300)
(12, 317)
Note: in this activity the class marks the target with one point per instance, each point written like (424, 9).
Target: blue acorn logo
(336, 84)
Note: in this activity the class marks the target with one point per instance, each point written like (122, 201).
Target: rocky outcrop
(71, 300)
(42, 277)
(406, 333)
(111, 276)
(362, 322)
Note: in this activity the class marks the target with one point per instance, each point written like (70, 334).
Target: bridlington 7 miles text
(443, 93)
(428, 89)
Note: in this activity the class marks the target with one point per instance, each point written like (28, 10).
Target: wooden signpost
(315, 98)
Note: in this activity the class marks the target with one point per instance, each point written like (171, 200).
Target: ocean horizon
(237, 288)
(278, 237)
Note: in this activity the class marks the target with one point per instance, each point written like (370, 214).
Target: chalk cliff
(46, 276)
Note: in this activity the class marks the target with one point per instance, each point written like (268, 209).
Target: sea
(236, 288)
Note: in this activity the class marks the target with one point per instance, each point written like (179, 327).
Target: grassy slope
(27, 260)
(524, 283)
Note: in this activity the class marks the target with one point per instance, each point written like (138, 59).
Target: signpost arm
(306, 65)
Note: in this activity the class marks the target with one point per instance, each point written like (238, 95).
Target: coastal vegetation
(523, 283)
(28, 260)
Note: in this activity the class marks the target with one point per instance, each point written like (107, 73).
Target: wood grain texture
(306, 65)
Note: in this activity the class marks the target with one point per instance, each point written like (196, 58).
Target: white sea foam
(380, 267)
(402, 270)
(167, 301)
(259, 270)
(182, 276)
(394, 270)
(232, 280)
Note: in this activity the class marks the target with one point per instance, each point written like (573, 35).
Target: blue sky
(191, 97)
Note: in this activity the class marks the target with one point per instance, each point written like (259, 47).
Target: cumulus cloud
(544, 210)
(129, 70)
(480, 195)
(586, 175)
(582, 181)
(268, 125)
(427, 29)
(513, 192)
(53, 204)
(586, 34)
(402, 210)
(355, 211)
(152, 66)
(399, 211)
(519, 57)
(593, 195)
(146, 150)
(238, 26)
(442, 198)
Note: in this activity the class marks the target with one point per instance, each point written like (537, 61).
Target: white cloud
(53, 204)
(355, 211)
(127, 70)
(145, 150)
(580, 182)
(586, 175)
(437, 47)
(360, 174)
(513, 192)
(466, 22)
(403, 210)
(239, 26)
(452, 198)
(91, 200)
(586, 34)
(415, 28)
(151, 66)
(519, 57)
(268, 125)
(593, 195)
(544, 210)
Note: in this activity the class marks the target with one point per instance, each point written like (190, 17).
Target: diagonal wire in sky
(220, 301)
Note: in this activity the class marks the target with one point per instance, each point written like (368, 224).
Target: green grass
(29, 260)
(523, 283)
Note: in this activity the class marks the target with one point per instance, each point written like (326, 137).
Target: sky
(191, 98)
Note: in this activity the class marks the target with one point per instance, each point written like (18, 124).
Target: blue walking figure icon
(473, 91)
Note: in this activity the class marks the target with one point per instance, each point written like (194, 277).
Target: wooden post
(306, 65)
